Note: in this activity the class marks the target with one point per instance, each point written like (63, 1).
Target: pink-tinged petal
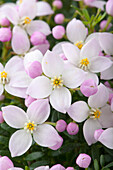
(98, 4)
(40, 87)
(43, 8)
(42, 168)
(46, 135)
(20, 79)
(89, 128)
(100, 98)
(39, 111)
(106, 42)
(112, 104)
(15, 91)
(11, 14)
(72, 76)
(58, 47)
(76, 31)
(25, 9)
(90, 49)
(19, 142)
(106, 117)
(99, 64)
(1, 67)
(11, 66)
(14, 116)
(106, 138)
(38, 25)
(93, 76)
(1, 89)
(60, 99)
(52, 64)
(93, 35)
(78, 111)
(20, 41)
(72, 53)
(107, 74)
(5, 163)
(14, 168)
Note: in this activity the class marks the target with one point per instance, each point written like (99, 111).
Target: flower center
(79, 44)
(84, 64)
(57, 82)
(27, 20)
(20, 1)
(30, 127)
(95, 113)
(4, 79)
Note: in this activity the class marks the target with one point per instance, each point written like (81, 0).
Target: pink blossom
(72, 128)
(5, 34)
(58, 32)
(1, 117)
(59, 18)
(83, 160)
(5, 163)
(61, 125)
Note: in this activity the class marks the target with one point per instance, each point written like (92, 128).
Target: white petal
(93, 76)
(42, 168)
(39, 111)
(98, 4)
(14, 168)
(14, 116)
(89, 128)
(46, 135)
(78, 111)
(107, 74)
(60, 99)
(1, 89)
(19, 143)
(100, 98)
(58, 47)
(1, 67)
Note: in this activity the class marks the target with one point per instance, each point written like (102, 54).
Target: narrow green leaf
(96, 165)
(34, 156)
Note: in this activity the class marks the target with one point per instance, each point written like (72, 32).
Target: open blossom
(95, 3)
(31, 123)
(57, 75)
(13, 78)
(99, 114)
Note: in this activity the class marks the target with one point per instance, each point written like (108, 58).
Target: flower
(32, 123)
(83, 160)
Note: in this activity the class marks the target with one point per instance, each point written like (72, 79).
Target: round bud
(83, 160)
(59, 18)
(58, 4)
(61, 125)
(58, 32)
(103, 24)
(4, 22)
(5, 34)
(37, 38)
(56, 167)
(72, 128)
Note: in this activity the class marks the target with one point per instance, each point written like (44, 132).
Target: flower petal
(46, 135)
(19, 142)
(52, 64)
(14, 116)
(107, 74)
(1, 67)
(98, 4)
(78, 111)
(20, 41)
(76, 31)
(58, 47)
(60, 99)
(42, 168)
(40, 87)
(93, 76)
(89, 128)
(39, 111)
(100, 98)
(14, 168)
(38, 25)
(1, 89)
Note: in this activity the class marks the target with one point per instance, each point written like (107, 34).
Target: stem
(108, 22)
(51, 123)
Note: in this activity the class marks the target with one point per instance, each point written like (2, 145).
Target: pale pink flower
(99, 114)
(5, 163)
(30, 123)
(95, 3)
(83, 160)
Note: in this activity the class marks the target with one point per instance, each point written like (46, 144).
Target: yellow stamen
(27, 20)
(84, 62)
(79, 44)
(30, 126)
(20, 1)
(3, 74)
(97, 113)
(57, 82)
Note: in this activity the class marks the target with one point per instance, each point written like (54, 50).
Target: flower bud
(58, 4)
(2, 97)
(103, 24)
(97, 133)
(61, 125)
(58, 32)
(88, 87)
(56, 167)
(59, 18)
(34, 69)
(5, 34)
(110, 98)
(83, 160)
(37, 38)
(1, 117)
(72, 128)
(58, 145)
(5, 163)
(70, 168)
(29, 100)
(109, 7)
(4, 22)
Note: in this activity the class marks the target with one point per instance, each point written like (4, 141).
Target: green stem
(51, 123)
(108, 22)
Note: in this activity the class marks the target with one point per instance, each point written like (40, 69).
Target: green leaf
(102, 160)
(108, 166)
(4, 140)
(34, 156)
(96, 165)
(86, 14)
(39, 163)
(7, 128)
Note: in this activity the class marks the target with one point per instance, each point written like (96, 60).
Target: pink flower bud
(29, 100)
(4, 22)
(101, 53)
(97, 133)
(109, 7)
(61, 125)
(2, 97)
(37, 38)
(1, 117)
(63, 56)
(58, 145)
(83, 160)
(58, 4)
(34, 69)
(5, 163)
(72, 128)
(58, 32)
(110, 97)
(70, 168)
(107, 84)
(56, 167)
(88, 87)
(103, 24)
(59, 19)
(5, 34)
